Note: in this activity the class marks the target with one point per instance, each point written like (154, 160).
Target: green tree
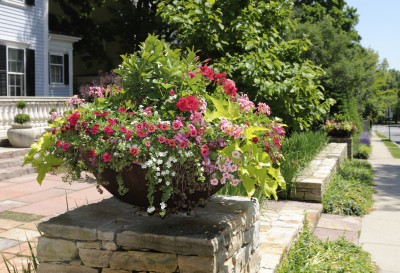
(248, 40)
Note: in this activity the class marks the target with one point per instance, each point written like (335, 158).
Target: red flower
(172, 92)
(95, 129)
(141, 134)
(134, 151)
(107, 157)
(65, 146)
(172, 142)
(73, 118)
(255, 140)
(123, 129)
(108, 130)
(229, 87)
(92, 153)
(189, 103)
(208, 72)
(139, 126)
(58, 143)
(121, 110)
(128, 134)
(277, 142)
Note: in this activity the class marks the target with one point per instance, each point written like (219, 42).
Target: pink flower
(147, 143)
(191, 74)
(172, 92)
(151, 128)
(176, 125)
(139, 126)
(204, 150)
(277, 142)
(111, 121)
(108, 130)
(263, 109)
(235, 182)
(162, 139)
(134, 151)
(208, 72)
(193, 133)
(106, 157)
(214, 181)
(147, 110)
(163, 126)
(65, 146)
(58, 143)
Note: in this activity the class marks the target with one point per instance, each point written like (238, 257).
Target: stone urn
(21, 135)
(183, 198)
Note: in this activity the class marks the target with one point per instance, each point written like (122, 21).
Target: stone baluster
(42, 114)
(11, 113)
(2, 123)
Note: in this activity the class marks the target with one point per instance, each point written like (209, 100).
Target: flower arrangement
(339, 127)
(185, 124)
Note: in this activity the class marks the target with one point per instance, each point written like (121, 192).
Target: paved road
(384, 130)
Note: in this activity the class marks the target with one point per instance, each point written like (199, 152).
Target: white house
(33, 62)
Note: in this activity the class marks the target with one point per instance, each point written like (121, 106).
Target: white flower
(167, 183)
(159, 180)
(173, 173)
(159, 162)
(151, 209)
(158, 173)
(163, 205)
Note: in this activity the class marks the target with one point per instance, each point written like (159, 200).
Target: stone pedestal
(348, 140)
(114, 237)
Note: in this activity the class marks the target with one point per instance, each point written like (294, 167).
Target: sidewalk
(380, 232)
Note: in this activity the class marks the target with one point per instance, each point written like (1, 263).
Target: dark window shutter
(30, 2)
(66, 69)
(30, 72)
(3, 70)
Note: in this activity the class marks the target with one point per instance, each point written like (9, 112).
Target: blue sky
(379, 27)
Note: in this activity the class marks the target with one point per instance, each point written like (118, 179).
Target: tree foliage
(248, 39)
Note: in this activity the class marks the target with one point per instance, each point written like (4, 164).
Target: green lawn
(394, 149)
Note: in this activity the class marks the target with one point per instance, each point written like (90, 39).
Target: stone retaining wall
(310, 184)
(114, 237)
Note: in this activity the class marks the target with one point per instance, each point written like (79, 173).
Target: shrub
(350, 190)
(21, 104)
(363, 151)
(310, 254)
(22, 118)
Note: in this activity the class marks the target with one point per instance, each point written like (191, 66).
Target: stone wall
(311, 183)
(114, 237)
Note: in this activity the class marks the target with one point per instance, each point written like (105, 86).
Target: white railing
(37, 107)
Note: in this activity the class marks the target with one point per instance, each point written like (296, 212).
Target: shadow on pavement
(387, 183)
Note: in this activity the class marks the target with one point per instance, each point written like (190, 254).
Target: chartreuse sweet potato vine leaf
(40, 157)
(255, 167)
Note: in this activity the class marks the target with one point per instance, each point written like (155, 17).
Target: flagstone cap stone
(204, 232)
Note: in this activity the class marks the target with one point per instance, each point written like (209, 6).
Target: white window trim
(16, 3)
(16, 73)
(63, 68)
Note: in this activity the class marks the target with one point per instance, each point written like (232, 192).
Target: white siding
(27, 25)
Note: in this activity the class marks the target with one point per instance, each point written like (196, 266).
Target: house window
(56, 69)
(16, 72)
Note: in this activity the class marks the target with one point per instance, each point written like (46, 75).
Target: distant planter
(21, 135)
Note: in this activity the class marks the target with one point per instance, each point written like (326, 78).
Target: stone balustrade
(37, 107)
